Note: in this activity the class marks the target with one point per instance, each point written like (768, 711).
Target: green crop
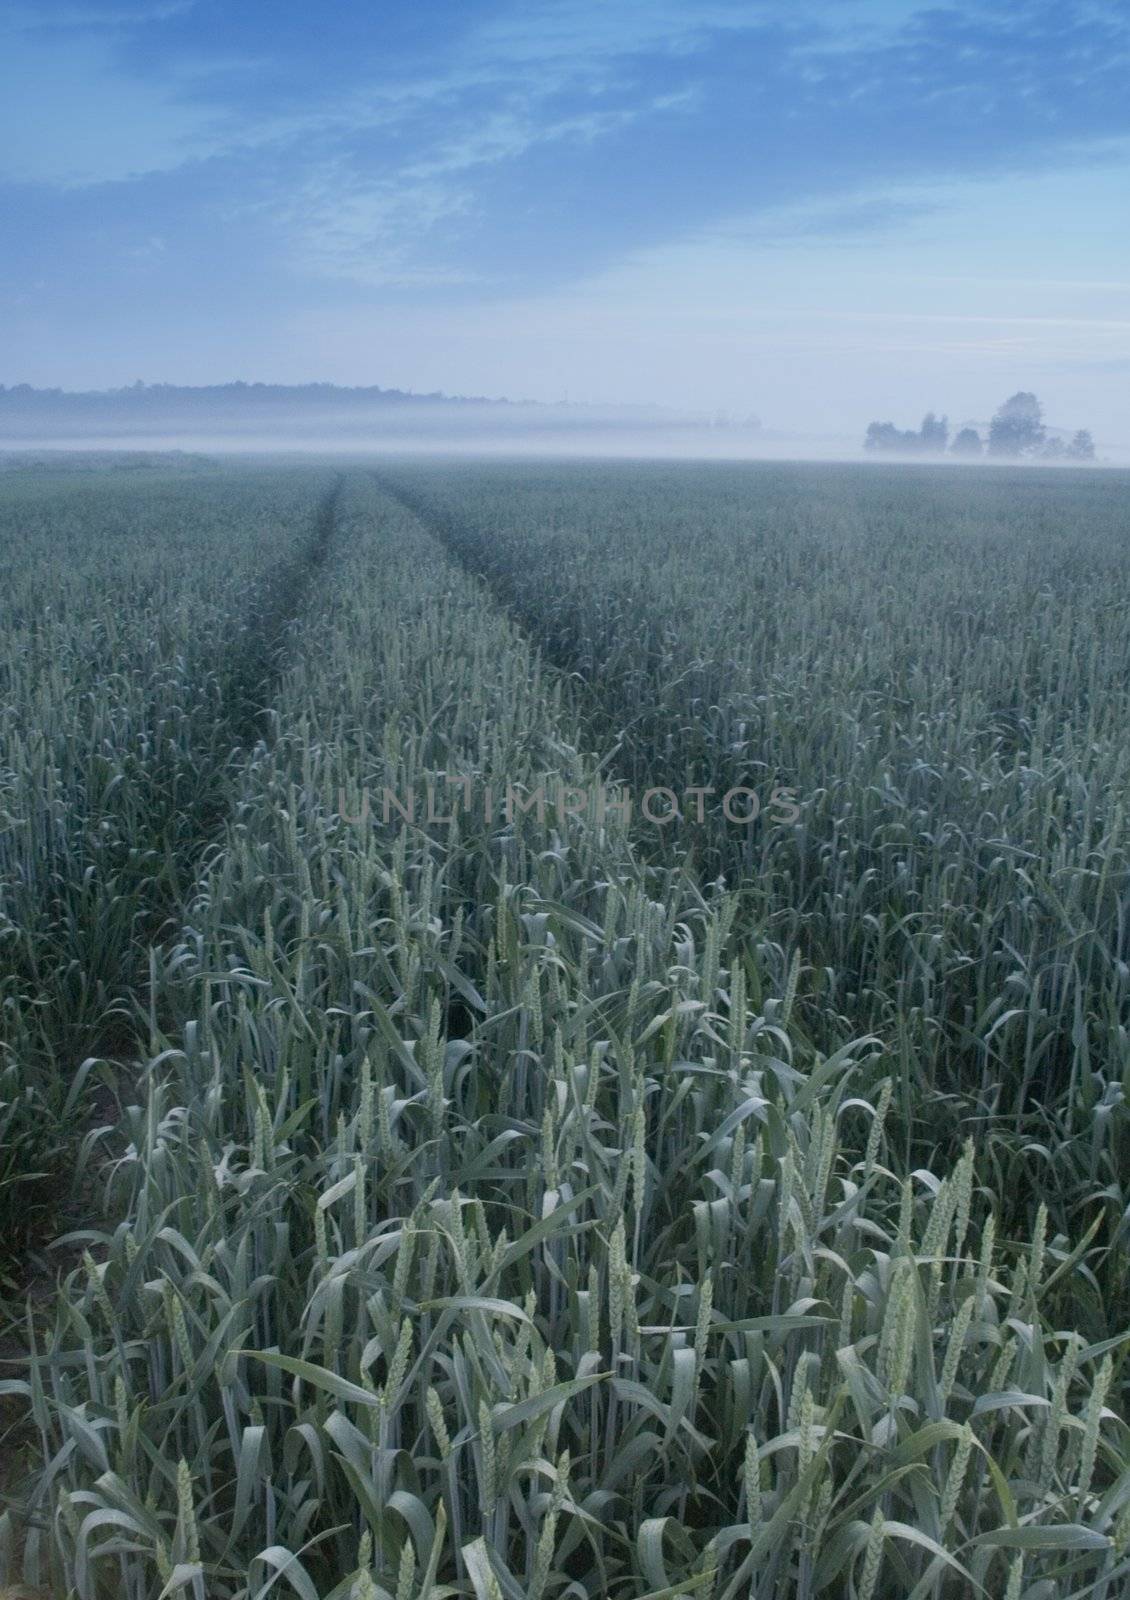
(136, 626)
(507, 1207)
(937, 665)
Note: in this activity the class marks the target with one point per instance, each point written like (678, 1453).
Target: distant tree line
(139, 396)
(1017, 431)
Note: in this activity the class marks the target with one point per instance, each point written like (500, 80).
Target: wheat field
(486, 1199)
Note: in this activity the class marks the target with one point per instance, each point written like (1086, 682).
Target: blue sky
(816, 212)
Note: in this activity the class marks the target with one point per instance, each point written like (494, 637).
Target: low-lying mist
(320, 418)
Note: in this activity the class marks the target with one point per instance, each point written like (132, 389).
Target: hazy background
(818, 214)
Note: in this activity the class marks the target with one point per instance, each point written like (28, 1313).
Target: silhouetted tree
(1082, 446)
(894, 441)
(885, 436)
(967, 443)
(934, 432)
(1018, 427)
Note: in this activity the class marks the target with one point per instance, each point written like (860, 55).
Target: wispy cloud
(70, 115)
(44, 17)
(854, 217)
(343, 225)
(376, 231)
(575, 33)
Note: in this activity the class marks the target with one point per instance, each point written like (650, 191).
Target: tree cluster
(1017, 431)
(929, 439)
